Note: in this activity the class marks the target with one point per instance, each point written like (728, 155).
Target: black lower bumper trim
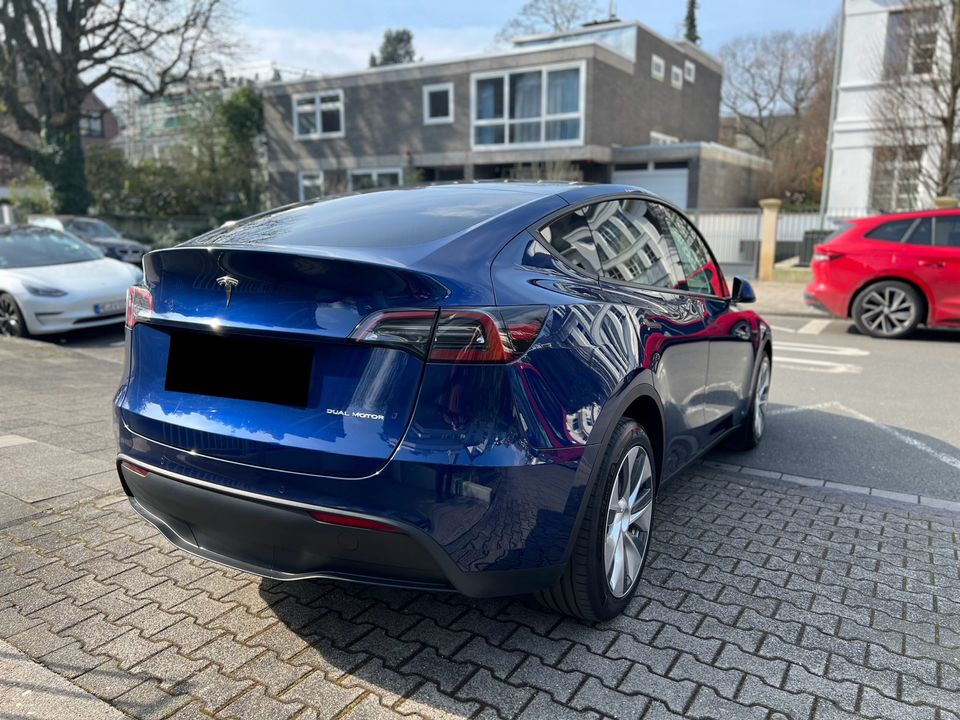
(286, 543)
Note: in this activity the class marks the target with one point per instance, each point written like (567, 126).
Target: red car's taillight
(139, 304)
(823, 254)
(461, 335)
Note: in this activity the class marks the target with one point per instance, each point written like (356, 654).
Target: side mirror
(742, 291)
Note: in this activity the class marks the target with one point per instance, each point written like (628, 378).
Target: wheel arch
(912, 282)
(639, 401)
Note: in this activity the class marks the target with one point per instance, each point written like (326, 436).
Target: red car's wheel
(888, 309)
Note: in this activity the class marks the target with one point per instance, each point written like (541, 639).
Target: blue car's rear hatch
(246, 356)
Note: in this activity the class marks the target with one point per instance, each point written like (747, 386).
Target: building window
(659, 138)
(536, 107)
(689, 71)
(370, 179)
(911, 46)
(318, 115)
(311, 185)
(91, 125)
(658, 68)
(438, 104)
(676, 77)
(895, 181)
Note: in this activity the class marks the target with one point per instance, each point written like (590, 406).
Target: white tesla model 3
(51, 282)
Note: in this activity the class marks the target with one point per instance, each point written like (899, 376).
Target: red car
(891, 273)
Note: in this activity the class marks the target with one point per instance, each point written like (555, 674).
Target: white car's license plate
(110, 307)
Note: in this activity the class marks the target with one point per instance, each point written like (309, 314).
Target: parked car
(891, 273)
(473, 387)
(51, 282)
(95, 232)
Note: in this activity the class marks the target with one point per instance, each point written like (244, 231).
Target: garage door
(670, 184)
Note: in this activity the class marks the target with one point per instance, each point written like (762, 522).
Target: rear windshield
(396, 218)
(33, 248)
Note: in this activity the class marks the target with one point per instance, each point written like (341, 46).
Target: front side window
(700, 273)
(948, 231)
(311, 185)
(438, 103)
(319, 115)
(528, 107)
(633, 243)
(895, 181)
(571, 238)
(371, 179)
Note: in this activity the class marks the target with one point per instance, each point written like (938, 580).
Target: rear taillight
(139, 304)
(822, 254)
(460, 335)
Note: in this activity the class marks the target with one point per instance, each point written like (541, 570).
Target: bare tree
(917, 114)
(776, 87)
(54, 53)
(543, 16)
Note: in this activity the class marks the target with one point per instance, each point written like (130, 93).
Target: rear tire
(750, 432)
(888, 309)
(11, 319)
(611, 546)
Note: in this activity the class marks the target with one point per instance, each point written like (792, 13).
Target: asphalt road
(844, 407)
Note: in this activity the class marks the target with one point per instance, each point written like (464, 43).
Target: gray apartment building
(610, 101)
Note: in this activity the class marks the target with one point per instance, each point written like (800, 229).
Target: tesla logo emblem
(228, 283)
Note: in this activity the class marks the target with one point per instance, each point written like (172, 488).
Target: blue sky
(336, 36)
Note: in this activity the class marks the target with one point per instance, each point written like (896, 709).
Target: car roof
(390, 220)
(905, 215)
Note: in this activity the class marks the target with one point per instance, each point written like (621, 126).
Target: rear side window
(948, 231)
(922, 233)
(570, 237)
(891, 231)
(633, 243)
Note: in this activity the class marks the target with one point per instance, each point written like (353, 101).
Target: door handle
(935, 264)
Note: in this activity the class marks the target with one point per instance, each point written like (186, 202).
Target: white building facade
(868, 170)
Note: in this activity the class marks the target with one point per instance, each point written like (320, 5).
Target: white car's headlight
(43, 291)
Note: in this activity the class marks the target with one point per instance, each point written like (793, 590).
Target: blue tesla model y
(476, 387)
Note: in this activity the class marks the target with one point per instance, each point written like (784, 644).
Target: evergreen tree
(690, 31)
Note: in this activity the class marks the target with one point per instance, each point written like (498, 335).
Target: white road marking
(814, 327)
(822, 366)
(943, 457)
(791, 409)
(821, 349)
(777, 328)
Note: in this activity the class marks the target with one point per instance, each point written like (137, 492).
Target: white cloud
(341, 51)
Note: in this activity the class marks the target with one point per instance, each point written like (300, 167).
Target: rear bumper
(823, 297)
(280, 540)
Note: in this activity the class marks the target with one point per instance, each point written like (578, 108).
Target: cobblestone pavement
(761, 599)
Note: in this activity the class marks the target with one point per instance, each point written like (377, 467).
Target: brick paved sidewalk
(762, 599)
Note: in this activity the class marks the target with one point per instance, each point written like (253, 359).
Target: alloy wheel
(629, 513)
(888, 311)
(9, 318)
(763, 396)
